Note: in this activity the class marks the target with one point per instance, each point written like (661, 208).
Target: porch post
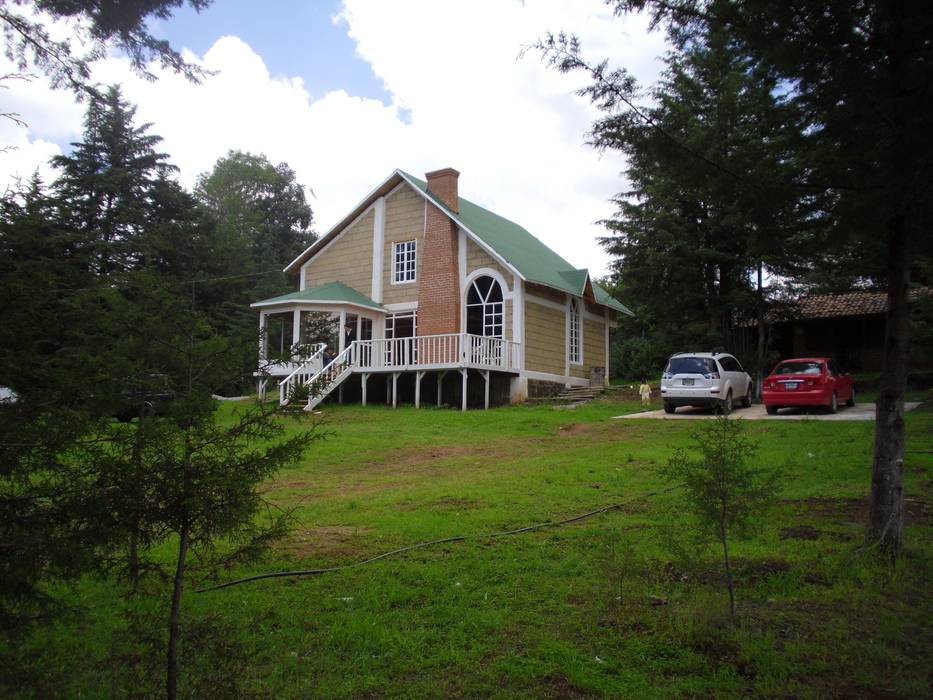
(340, 394)
(341, 336)
(463, 400)
(486, 377)
(388, 390)
(418, 377)
(263, 340)
(440, 386)
(296, 326)
(364, 377)
(395, 388)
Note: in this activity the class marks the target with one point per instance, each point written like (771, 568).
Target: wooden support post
(340, 394)
(418, 377)
(486, 377)
(388, 389)
(395, 388)
(363, 379)
(463, 400)
(440, 386)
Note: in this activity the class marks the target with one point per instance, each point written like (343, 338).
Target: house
(418, 292)
(848, 327)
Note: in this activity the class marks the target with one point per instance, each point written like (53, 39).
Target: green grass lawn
(600, 608)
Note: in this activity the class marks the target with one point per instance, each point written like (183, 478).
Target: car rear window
(690, 365)
(798, 368)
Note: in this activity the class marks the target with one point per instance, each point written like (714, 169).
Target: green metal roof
(333, 292)
(534, 260)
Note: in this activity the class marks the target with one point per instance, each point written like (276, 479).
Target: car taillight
(711, 375)
(667, 376)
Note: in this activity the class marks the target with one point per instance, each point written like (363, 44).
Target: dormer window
(403, 257)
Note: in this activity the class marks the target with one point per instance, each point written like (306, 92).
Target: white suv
(705, 379)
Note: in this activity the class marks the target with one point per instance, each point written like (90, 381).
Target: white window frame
(574, 332)
(493, 312)
(405, 262)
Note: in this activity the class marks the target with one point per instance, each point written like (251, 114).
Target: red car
(807, 381)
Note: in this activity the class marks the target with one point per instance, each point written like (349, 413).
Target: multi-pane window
(576, 350)
(403, 267)
(401, 325)
(485, 309)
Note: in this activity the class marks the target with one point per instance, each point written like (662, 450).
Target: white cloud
(511, 126)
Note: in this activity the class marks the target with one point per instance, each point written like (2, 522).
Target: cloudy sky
(345, 92)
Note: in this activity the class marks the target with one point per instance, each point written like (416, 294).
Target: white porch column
(486, 377)
(364, 378)
(341, 336)
(296, 326)
(395, 389)
(263, 344)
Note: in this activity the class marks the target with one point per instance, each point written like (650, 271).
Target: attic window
(403, 256)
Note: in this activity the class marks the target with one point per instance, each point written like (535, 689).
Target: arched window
(484, 307)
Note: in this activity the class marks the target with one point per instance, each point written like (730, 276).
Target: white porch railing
(445, 351)
(436, 352)
(302, 374)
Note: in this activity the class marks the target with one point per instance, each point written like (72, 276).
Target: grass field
(600, 608)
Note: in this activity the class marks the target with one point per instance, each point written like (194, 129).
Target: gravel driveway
(860, 411)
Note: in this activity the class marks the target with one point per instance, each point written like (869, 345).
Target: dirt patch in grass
(855, 510)
(332, 540)
(558, 687)
(574, 429)
(800, 532)
(452, 502)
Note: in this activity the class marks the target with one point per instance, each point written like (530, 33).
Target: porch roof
(330, 293)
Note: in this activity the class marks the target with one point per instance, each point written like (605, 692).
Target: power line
(430, 543)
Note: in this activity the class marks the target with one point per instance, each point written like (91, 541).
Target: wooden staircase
(578, 394)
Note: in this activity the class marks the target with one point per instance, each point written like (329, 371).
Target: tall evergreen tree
(860, 76)
(106, 184)
(689, 225)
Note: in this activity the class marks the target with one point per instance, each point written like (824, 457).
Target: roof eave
(295, 265)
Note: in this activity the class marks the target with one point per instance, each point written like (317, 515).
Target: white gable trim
(301, 259)
(476, 239)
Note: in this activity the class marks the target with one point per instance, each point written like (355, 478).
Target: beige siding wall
(404, 222)
(545, 345)
(477, 258)
(349, 259)
(594, 349)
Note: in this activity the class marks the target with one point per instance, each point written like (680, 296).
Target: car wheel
(772, 410)
(833, 404)
(726, 406)
(669, 408)
(851, 401)
(747, 399)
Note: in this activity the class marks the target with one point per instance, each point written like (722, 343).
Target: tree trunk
(760, 358)
(887, 474)
(171, 682)
(728, 564)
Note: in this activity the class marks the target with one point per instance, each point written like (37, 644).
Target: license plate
(791, 385)
(688, 382)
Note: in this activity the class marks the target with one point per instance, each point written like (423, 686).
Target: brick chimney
(443, 185)
(439, 288)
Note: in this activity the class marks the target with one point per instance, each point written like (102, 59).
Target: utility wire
(430, 543)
